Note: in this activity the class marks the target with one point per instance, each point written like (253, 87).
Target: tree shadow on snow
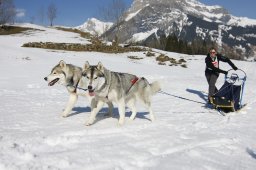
(251, 153)
(199, 93)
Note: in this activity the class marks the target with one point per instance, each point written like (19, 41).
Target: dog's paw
(64, 115)
(88, 124)
(152, 119)
(130, 120)
(120, 123)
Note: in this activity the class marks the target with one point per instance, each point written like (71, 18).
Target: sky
(74, 13)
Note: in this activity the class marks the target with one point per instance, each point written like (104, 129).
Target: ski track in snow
(185, 135)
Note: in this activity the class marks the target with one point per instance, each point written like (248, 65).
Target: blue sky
(76, 12)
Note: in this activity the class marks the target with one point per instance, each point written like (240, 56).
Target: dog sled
(229, 97)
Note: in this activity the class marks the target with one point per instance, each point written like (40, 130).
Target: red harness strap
(133, 81)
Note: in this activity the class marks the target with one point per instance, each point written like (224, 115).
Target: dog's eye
(95, 78)
(87, 77)
(54, 73)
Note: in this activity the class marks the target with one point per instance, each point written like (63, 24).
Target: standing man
(212, 70)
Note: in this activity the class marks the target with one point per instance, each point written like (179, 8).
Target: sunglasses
(212, 52)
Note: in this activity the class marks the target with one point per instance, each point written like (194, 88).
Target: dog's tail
(155, 87)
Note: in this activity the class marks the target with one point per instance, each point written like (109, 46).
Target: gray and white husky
(121, 88)
(69, 75)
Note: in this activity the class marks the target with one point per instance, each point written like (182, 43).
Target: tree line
(182, 46)
(197, 47)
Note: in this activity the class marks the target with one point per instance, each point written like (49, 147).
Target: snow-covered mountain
(95, 26)
(189, 20)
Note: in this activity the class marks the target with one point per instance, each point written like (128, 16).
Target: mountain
(94, 26)
(147, 20)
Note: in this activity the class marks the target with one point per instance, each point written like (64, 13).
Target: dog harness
(133, 81)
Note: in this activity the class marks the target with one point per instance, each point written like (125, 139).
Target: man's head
(213, 52)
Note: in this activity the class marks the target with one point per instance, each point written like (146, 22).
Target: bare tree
(41, 15)
(52, 13)
(7, 11)
(113, 12)
(104, 15)
(32, 20)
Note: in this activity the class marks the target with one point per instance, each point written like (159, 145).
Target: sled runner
(229, 97)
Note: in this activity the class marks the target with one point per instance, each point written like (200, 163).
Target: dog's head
(94, 75)
(58, 74)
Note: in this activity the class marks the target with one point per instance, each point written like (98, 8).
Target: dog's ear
(62, 64)
(86, 65)
(100, 67)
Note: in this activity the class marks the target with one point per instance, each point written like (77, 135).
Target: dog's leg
(93, 103)
(71, 102)
(94, 112)
(151, 113)
(146, 99)
(121, 110)
(110, 109)
(131, 105)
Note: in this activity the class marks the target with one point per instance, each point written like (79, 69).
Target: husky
(69, 75)
(121, 88)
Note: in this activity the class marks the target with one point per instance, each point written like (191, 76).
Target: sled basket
(229, 97)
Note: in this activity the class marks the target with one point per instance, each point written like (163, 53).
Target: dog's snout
(90, 87)
(45, 78)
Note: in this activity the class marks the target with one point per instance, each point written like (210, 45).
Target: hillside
(185, 135)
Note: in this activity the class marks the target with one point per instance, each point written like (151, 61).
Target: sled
(229, 97)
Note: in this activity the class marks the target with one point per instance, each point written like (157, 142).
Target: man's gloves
(235, 68)
(225, 72)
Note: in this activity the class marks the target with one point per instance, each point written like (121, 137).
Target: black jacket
(211, 69)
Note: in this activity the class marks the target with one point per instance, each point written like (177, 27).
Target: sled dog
(69, 76)
(121, 88)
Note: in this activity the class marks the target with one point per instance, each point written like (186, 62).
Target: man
(212, 70)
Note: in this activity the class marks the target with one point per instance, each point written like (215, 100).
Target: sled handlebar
(233, 77)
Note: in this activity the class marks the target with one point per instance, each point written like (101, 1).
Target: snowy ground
(185, 135)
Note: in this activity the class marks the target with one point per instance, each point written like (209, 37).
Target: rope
(81, 88)
(183, 98)
(76, 87)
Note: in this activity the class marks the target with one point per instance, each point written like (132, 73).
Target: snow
(185, 135)
(142, 35)
(43, 34)
(250, 35)
(95, 26)
(131, 15)
(200, 32)
(241, 21)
